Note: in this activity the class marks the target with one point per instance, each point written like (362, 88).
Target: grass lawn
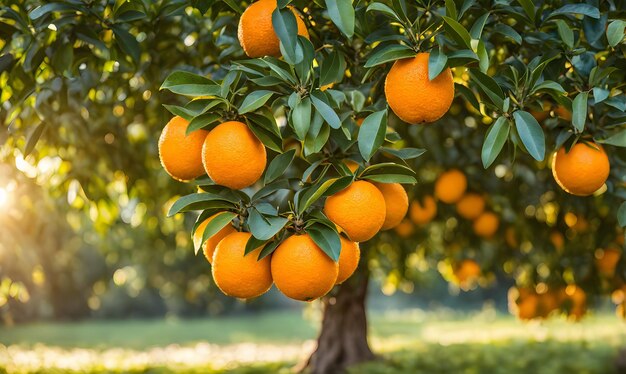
(409, 342)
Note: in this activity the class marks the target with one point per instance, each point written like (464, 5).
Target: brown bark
(342, 341)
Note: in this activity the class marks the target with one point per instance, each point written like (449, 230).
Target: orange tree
(297, 143)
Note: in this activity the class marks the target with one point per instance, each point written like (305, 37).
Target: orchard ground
(408, 341)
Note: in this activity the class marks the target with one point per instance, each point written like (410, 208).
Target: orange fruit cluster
(230, 153)
(528, 304)
(363, 209)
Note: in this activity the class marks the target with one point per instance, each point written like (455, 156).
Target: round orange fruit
(348, 259)
(208, 248)
(412, 96)
(358, 209)
(256, 33)
(582, 170)
(396, 203)
(233, 156)
(422, 212)
(470, 206)
(237, 275)
(486, 225)
(607, 260)
(180, 154)
(405, 229)
(301, 270)
(450, 186)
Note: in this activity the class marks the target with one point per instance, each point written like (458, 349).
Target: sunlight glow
(4, 197)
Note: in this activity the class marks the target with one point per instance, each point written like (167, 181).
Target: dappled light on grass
(200, 355)
(410, 341)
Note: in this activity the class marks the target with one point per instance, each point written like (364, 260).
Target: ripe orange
(470, 206)
(486, 225)
(467, 273)
(256, 33)
(301, 270)
(582, 170)
(358, 209)
(412, 96)
(233, 156)
(348, 259)
(351, 164)
(423, 212)
(542, 115)
(558, 240)
(575, 300)
(523, 303)
(359, 121)
(510, 237)
(396, 203)
(607, 260)
(237, 275)
(405, 229)
(450, 186)
(180, 154)
(208, 248)
(561, 112)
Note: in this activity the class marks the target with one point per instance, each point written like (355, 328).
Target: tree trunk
(342, 341)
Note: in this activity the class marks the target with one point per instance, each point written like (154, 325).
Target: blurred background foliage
(83, 197)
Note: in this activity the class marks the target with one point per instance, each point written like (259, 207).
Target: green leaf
(494, 141)
(318, 191)
(264, 227)
(618, 140)
(218, 222)
(579, 111)
(621, 215)
(357, 100)
(278, 166)
(189, 84)
(127, 42)
(301, 117)
(483, 56)
(582, 8)
(600, 94)
(330, 116)
(254, 101)
(327, 239)
(458, 32)
(252, 244)
(42, 10)
(508, 32)
(193, 201)
(63, 57)
(477, 28)
(180, 111)
(389, 172)
(33, 138)
(531, 134)
(451, 9)
(384, 9)
(529, 8)
(489, 86)
(372, 134)
(286, 28)
(203, 121)
(268, 189)
(389, 53)
(548, 86)
(341, 13)
(615, 32)
(332, 68)
(566, 34)
(436, 63)
(404, 153)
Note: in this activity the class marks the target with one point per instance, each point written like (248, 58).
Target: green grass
(408, 342)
